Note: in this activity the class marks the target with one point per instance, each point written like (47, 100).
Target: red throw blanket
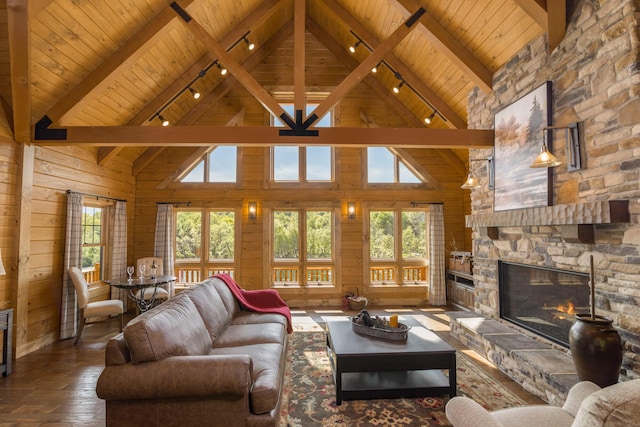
(260, 301)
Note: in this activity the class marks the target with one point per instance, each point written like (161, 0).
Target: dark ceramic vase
(596, 348)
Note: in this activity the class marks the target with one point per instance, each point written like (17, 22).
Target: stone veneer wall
(595, 73)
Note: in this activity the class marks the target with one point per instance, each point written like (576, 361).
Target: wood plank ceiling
(101, 72)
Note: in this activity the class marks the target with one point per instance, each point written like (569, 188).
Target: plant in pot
(596, 346)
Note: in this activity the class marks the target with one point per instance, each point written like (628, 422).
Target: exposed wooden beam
(537, 10)
(299, 92)
(259, 15)
(550, 15)
(453, 120)
(416, 168)
(243, 76)
(345, 58)
(557, 19)
(181, 136)
(19, 57)
(362, 70)
(218, 92)
(21, 279)
(105, 74)
(471, 66)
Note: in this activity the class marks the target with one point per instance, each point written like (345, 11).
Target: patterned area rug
(309, 398)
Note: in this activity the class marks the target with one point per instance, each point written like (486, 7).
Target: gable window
(303, 247)
(93, 244)
(397, 247)
(385, 167)
(302, 163)
(204, 243)
(217, 166)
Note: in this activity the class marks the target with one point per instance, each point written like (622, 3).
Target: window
(218, 166)
(302, 164)
(384, 167)
(303, 247)
(204, 244)
(93, 244)
(397, 247)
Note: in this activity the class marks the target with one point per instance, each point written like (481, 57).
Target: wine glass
(130, 270)
(141, 269)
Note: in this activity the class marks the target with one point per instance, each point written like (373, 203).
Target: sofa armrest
(178, 377)
(577, 394)
(464, 412)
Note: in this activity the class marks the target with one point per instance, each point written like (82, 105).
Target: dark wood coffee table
(372, 368)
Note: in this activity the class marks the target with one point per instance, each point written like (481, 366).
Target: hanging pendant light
(545, 159)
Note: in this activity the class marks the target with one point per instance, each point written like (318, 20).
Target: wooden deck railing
(387, 274)
(193, 274)
(91, 274)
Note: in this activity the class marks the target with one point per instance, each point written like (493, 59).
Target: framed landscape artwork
(518, 140)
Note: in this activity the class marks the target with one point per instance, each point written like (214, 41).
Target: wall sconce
(573, 138)
(351, 210)
(253, 210)
(472, 182)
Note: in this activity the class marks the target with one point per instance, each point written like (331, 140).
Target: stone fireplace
(594, 74)
(542, 300)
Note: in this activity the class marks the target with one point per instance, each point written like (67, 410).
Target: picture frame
(519, 131)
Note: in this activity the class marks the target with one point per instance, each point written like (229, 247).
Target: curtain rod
(426, 203)
(96, 196)
(174, 203)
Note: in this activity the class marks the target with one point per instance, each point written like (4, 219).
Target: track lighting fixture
(428, 120)
(353, 47)
(194, 93)
(375, 68)
(164, 121)
(250, 45)
(396, 89)
(223, 71)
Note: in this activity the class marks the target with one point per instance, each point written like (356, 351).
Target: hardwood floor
(56, 384)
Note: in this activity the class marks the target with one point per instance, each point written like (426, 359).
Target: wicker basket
(355, 302)
(384, 332)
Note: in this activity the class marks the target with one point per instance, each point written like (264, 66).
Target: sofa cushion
(268, 372)
(229, 301)
(613, 406)
(239, 335)
(212, 309)
(252, 318)
(174, 328)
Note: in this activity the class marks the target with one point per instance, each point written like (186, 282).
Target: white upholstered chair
(164, 291)
(88, 309)
(587, 405)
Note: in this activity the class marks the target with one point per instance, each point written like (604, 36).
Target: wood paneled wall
(54, 171)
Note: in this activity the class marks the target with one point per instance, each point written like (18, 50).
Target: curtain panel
(72, 258)
(164, 241)
(437, 287)
(118, 239)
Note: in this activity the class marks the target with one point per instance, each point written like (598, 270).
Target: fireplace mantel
(576, 220)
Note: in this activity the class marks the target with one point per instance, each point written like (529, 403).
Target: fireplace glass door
(542, 300)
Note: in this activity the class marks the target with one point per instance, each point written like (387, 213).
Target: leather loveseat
(197, 359)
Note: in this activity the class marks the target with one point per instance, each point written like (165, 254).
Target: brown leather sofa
(197, 359)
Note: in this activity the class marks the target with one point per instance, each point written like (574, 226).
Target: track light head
(250, 45)
(396, 89)
(353, 47)
(375, 68)
(164, 121)
(223, 71)
(429, 119)
(194, 93)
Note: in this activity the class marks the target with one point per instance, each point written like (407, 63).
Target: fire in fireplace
(542, 300)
